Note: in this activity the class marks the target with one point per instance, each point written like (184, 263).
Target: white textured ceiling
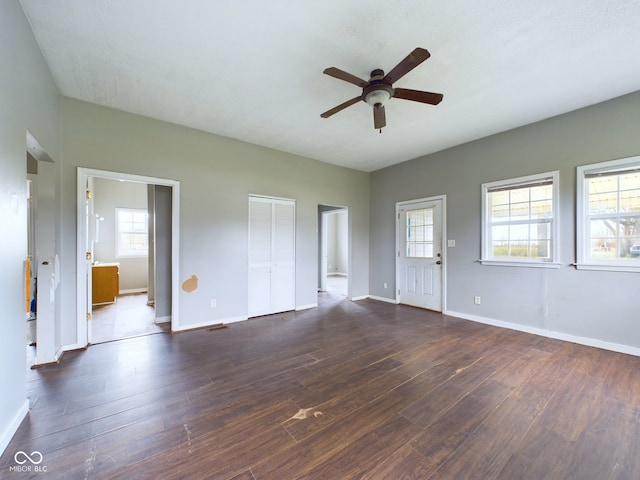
(252, 69)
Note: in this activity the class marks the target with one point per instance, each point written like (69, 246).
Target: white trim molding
(211, 323)
(567, 337)
(306, 307)
(383, 299)
(13, 426)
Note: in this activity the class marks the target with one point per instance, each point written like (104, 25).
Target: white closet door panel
(282, 287)
(260, 235)
(259, 291)
(284, 232)
(271, 256)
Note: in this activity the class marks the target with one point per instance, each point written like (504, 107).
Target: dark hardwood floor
(362, 390)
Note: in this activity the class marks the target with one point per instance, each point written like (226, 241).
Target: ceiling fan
(379, 88)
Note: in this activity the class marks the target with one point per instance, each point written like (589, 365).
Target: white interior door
(420, 257)
(271, 256)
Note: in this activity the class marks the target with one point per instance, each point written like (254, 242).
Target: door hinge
(398, 252)
(398, 291)
(88, 194)
(398, 215)
(88, 316)
(88, 255)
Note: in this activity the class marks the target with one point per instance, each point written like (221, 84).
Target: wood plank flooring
(348, 390)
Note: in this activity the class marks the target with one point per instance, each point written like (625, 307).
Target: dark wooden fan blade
(418, 96)
(342, 106)
(347, 77)
(379, 119)
(410, 62)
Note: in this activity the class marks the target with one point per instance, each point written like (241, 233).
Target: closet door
(271, 256)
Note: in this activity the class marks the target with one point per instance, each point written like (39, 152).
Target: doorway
(127, 255)
(420, 253)
(40, 265)
(333, 239)
(123, 237)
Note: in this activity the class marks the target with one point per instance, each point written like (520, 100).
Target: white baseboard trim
(131, 291)
(50, 361)
(59, 353)
(336, 274)
(383, 299)
(306, 307)
(590, 342)
(10, 430)
(166, 319)
(194, 326)
(75, 346)
(361, 297)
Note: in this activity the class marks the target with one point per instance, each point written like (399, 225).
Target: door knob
(438, 262)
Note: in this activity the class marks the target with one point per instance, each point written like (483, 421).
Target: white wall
(601, 306)
(216, 176)
(29, 102)
(108, 195)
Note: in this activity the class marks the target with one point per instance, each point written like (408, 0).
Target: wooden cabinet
(105, 283)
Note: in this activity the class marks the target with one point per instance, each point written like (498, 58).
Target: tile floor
(337, 284)
(129, 316)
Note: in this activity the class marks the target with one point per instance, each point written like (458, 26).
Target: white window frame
(120, 254)
(584, 260)
(487, 257)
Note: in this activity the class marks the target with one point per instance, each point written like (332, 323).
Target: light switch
(451, 243)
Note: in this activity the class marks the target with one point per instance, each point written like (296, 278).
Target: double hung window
(608, 217)
(132, 232)
(520, 222)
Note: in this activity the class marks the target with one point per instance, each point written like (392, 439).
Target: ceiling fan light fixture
(377, 94)
(377, 97)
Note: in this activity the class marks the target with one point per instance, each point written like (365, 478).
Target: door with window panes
(419, 253)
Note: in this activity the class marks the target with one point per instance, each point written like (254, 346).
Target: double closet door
(271, 255)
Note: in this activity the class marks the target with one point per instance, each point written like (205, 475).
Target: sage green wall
(28, 102)
(590, 304)
(216, 176)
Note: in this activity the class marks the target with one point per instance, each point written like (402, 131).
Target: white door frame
(322, 248)
(399, 205)
(81, 229)
(323, 252)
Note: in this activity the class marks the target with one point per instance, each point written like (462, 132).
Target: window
(419, 233)
(132, 233)
(520, 225)
(608, 219)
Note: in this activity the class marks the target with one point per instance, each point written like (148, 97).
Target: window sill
(510, 263)
(607, 268)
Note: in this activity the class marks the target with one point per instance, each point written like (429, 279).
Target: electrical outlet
(451, 243)
(385, 285)
(476, 300)
(213, 303)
